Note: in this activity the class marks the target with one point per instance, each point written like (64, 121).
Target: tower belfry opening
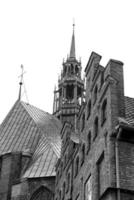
(69, 96)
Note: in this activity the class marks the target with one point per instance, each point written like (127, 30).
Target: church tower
(69, 96)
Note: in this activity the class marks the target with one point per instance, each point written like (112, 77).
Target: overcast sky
(37, 34)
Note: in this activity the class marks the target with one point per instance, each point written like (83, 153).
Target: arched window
(95, 93)
(96, 127)
(88, 109)
(42, 193)
(76, 166)
(83, 154)
(88, 141)
(104, 112)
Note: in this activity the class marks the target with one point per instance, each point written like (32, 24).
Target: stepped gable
(28, 129)
(129, 108)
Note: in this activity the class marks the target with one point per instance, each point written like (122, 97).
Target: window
(60, 195)
(102, 78)
(57, 177)
(65, 161)
(101, 174)
(104, 112)
(88, 109)
(76, 166)
(88, 141)
(0, 166)
(88, 189)
(95, 94)
(64, 187)
(68, 182)
(83, 154)
(61, 167)
(95, 127)
(83, 122)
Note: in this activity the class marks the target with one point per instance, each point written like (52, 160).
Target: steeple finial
(21, 81)
(72, 50)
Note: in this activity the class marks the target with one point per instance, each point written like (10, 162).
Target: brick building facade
(97, 152)
(84, 150)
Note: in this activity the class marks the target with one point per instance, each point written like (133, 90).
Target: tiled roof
(29, 129)
(129, 110)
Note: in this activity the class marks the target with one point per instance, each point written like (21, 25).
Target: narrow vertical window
(88, 189)
(76, 166)
(83, 122)
(0, 166)
(61, 167)
(102, 78)
(83, 154)
(96, 127)
(88, 141)
(64, 187)
(104, 112)
(68, 182)
(60, 195)
(95, 94)
(88, 109)
(101, 174)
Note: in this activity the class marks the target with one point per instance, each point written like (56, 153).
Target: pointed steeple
(72, 49)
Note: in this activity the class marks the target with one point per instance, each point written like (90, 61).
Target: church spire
(72, 49)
